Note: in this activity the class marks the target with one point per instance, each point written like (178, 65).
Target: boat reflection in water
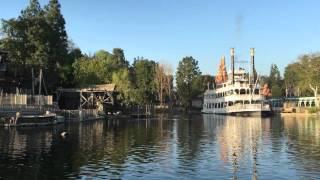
(276, 146)
(239, 140)
(165, 147)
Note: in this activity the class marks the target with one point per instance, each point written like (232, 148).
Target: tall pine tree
(57, 42)
(36, 32)
(57, 39)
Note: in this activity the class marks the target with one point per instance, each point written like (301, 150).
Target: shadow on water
(167, 146)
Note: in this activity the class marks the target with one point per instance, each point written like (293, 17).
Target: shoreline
(300, 114)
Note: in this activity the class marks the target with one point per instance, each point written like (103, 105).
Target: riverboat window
(246, 102)
(230, 103)
(248, 91)
(231, 91)
(238, 102)
(242, 91)
(237, 91)
(256, 91)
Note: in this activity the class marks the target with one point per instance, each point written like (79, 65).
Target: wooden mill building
(86, 97)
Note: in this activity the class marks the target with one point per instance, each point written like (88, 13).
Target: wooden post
(40, 77)
(32, 74)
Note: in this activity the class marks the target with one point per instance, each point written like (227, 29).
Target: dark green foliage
(275, 82)
(188, 79)
(37, 38)
(119, 57)
(57, 41)
(124, 85)
(207, 80)
(274, 77)
(144, 81)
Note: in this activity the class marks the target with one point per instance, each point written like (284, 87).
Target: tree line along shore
(37, 39)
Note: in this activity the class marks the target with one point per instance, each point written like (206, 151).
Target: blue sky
(168, 30)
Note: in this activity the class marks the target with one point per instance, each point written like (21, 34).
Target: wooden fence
(24, 99)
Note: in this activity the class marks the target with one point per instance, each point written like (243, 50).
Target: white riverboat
(238, 95)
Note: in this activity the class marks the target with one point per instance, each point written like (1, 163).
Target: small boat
(47, 118)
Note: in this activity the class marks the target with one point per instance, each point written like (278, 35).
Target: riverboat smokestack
(252, 65)
(232, 64)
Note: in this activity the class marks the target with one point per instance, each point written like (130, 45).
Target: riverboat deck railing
(248, 107)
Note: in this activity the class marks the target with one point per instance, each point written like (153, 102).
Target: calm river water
(166, 147)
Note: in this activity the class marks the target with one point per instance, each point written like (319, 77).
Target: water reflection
(239, 140)
(198, 146)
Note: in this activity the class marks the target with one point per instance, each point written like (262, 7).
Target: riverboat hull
(263, 112)
(244, 113)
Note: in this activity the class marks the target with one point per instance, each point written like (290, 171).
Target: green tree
(124, 85)
(97, 69)
(118, 55)
(303, 73)
(188, 79)
(57, 43)
(274, 77)
(37, 31)
(14, 40)
(37, 38)
(144, 79)
(88, 71)
(67, 71)
(275, 81)
(291, 79)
